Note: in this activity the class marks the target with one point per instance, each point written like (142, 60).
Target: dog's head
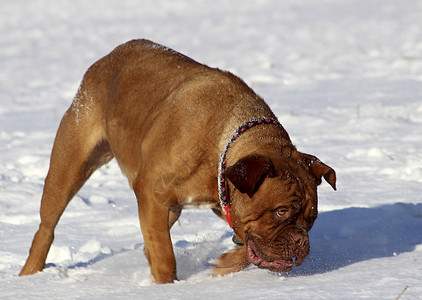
(274, 205)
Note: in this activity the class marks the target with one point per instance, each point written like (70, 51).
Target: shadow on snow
(344, 237)
(338, 239)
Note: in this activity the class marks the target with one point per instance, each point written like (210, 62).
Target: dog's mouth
(277, 265)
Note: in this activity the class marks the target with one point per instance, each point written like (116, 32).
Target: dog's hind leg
(79, 149)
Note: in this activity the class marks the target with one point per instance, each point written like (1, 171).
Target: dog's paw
(232, 261)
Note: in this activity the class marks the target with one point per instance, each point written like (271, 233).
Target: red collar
(222, 187)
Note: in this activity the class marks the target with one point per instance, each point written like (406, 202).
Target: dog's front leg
(154, 219)
(232, 261)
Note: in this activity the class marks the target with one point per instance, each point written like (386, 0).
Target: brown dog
(167, 120)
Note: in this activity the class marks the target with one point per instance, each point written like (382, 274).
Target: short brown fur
(165, 118)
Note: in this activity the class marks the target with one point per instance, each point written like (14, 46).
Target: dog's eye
(281, 213)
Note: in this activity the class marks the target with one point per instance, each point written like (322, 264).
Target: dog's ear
(248, 173)
(319, 170)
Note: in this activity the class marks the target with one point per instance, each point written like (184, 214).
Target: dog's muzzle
(281, 254)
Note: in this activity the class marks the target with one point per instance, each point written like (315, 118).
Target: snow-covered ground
(343, 76)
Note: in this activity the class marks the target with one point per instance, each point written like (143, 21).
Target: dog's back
(162, 93)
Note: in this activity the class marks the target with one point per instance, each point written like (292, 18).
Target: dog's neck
(222, 186)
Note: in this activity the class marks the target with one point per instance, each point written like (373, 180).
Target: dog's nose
(300, 239)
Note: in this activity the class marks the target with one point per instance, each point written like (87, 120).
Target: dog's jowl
(184, 134)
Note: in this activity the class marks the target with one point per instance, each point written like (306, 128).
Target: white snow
(343, 76)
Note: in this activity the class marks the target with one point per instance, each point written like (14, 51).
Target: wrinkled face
(275, 227)
(273, 212)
